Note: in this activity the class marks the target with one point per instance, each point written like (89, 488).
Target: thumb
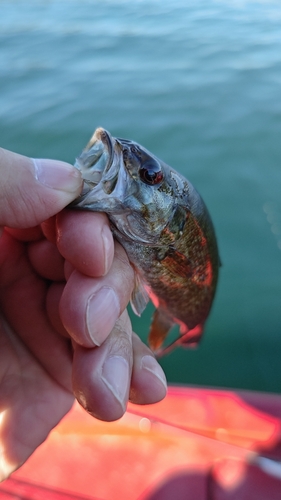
(31, 191)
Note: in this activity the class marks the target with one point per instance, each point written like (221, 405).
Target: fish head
(139, 192)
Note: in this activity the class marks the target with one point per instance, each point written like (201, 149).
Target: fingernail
(103, 309)
(107, 248)
(150, 364)
(115, 375)
(57, 175)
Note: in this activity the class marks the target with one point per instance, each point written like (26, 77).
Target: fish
(164, 226)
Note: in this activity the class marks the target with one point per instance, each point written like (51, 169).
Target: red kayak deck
(198, 444)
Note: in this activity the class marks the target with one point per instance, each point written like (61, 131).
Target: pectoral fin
(139, 297)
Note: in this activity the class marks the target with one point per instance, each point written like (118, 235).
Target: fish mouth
(101, 166)
(96, 159)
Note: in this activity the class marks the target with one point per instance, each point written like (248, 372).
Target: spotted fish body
(165, 228)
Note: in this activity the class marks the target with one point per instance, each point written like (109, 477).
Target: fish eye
(151, 173)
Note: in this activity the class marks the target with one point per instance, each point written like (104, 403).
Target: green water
(199, 84)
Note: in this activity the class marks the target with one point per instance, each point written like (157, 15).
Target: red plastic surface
(196, 444)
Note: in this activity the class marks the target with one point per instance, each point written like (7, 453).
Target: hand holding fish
(58, 303)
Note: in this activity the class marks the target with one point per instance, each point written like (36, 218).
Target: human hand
(64, 287)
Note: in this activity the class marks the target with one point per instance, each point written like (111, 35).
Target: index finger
(85, 240)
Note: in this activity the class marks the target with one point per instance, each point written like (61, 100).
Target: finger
(48, 228)
(68, 270)
(30, 234)
(34, 190)
(148, 384)
(85, 240)
(101, 376)
(22, 299)
(53, 297)
(46, 260)
(89, 307)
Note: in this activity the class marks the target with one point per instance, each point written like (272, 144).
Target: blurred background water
(199, 84)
